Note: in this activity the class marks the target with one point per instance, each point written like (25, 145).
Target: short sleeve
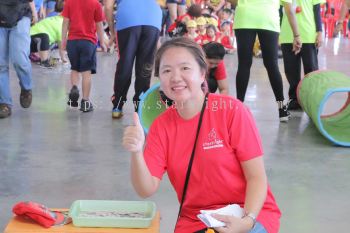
(244, 136)
(220, 72)
(99, 16)
(66, 9)
(155, 152)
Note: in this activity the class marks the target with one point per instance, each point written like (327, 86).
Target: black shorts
(82, 55)
(178, 2)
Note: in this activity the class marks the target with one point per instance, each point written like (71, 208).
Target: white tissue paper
(231, 210)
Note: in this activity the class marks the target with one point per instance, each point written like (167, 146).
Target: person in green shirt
(261, 18)
(45, 33)
(308, 15)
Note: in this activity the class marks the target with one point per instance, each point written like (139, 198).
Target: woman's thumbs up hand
(134, 136)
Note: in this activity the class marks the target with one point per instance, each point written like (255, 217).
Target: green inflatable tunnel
(313, 93)
(151, 106)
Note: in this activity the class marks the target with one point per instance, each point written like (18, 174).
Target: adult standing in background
(137, 32)
(261, 17)
(15, 19)
(310, 27)
(176, 8)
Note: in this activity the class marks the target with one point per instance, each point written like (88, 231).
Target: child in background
(216, 76)
(191, 27)
(212, 34)
(226, 37)
(201, 26)
(83, 18)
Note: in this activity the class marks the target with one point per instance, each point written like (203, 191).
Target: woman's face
(180, 75)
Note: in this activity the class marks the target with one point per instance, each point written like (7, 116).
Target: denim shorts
(178, 2)
(82, 55)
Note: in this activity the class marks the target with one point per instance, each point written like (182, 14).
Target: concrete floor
(55, 155)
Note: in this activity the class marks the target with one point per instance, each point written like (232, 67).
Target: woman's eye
(166, 71)
(186, 68)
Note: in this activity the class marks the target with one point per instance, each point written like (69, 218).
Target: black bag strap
(189, 168)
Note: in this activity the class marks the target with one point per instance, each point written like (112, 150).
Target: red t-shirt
(228, 136)
(83, 16)
(220, 71)
(226, 42)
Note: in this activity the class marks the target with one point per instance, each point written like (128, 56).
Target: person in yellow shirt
(261, 18)
(308, 15)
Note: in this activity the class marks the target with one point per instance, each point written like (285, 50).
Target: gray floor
(55, 155)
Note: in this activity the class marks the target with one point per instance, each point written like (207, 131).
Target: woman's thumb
(137, 120)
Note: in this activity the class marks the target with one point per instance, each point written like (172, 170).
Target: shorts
(82, 55)
(178, 2)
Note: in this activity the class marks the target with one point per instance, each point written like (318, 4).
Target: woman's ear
(203, 75)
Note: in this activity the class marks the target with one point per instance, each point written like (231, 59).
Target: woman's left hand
(233, 224)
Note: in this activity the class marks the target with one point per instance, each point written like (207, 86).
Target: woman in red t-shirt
(228, 167)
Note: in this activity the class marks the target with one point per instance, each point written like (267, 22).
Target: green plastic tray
(146, 207)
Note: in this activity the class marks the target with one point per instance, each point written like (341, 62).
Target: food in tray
(112, 214)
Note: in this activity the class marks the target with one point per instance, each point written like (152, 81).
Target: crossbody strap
(188, 173)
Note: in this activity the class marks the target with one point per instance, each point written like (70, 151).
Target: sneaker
(117, 113)
(5, 110)
(73, 97)
(283, 114)
(47, 64)
(293, 105)
(86, 106)
(25, 99)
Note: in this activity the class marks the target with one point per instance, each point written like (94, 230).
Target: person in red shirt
(216, 76)
(82, 18)
(228, 165)
(227, 36)
(191, 27)
(212, 35)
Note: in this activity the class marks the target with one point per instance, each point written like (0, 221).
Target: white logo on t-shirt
(212, 141)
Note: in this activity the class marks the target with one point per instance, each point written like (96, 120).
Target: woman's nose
(175, 76)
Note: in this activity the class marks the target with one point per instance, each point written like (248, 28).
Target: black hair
(227, 10)
(211, 26)
(59, 6)
(181, 42)
(214, 50)
(195, 10)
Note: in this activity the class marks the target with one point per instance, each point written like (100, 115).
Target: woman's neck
(192, 107)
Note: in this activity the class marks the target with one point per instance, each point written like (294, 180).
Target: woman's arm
(256, 191)
(144, 183)
(289, 10)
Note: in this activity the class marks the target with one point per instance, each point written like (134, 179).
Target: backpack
(11, 11)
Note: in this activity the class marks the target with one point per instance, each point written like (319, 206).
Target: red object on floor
(39, 213)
